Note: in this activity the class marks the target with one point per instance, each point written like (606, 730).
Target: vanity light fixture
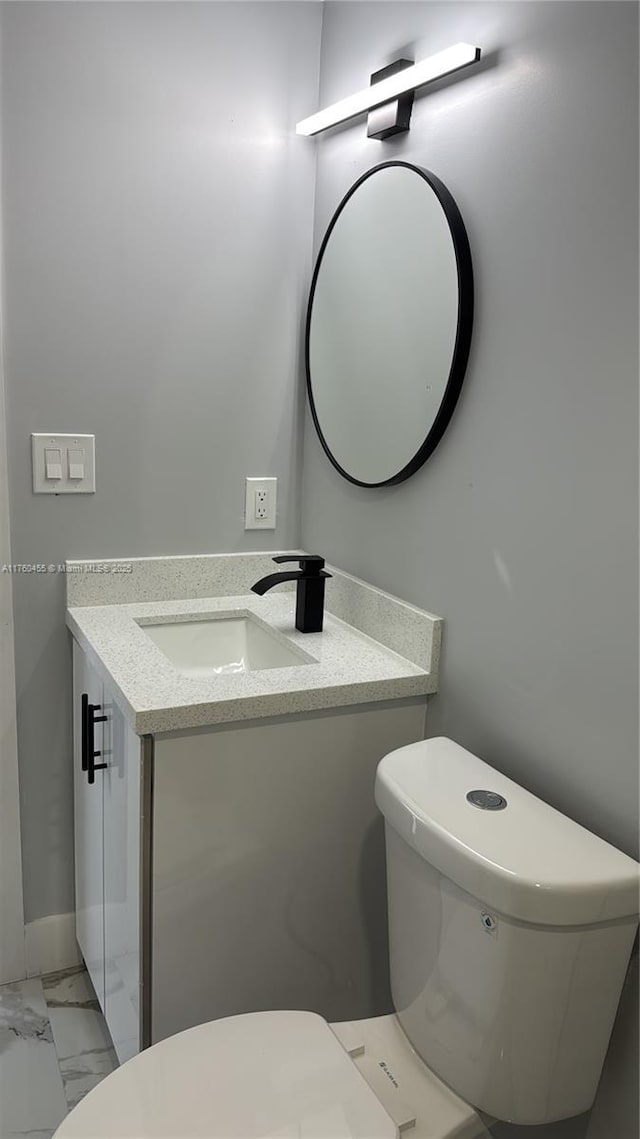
(408, 79)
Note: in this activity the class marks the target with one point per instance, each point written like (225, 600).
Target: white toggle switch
(53, 463)
(76, 463)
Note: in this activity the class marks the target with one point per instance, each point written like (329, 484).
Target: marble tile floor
(54, 1047)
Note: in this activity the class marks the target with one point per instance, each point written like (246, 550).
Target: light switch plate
(260, 504)
(72, 447)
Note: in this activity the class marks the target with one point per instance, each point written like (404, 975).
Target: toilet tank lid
(524, 859)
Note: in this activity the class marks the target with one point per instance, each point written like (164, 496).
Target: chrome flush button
(486, 800)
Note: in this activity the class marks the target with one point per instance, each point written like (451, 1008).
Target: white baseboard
(50, 944)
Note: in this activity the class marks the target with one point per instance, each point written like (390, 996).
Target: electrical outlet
(260, 504)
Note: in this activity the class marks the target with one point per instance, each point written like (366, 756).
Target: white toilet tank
(510, 931)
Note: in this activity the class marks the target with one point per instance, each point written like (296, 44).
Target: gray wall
(157, 211)
(521, 530)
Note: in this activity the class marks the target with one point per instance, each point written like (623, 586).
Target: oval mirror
(388, 324)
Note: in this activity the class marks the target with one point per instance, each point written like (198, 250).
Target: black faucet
(310, 595)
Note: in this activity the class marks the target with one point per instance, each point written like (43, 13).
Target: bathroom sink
(222, 645)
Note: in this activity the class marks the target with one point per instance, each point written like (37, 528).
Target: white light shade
(434, 67)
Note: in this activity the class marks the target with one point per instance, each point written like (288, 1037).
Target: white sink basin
(222, 644)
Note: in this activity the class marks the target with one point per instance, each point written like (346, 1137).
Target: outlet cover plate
(251, 520)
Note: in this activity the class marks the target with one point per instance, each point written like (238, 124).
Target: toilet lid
(265, 1075)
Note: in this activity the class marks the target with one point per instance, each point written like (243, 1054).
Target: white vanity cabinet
(269, 886)
(107, 852)
(122, 838)
(88, 815)
(234, 867)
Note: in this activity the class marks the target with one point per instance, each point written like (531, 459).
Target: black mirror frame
(463, 331)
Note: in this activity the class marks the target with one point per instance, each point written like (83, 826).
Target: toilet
(510, 932)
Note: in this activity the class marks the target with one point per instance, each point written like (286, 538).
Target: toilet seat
(276, 1075)
(265, 1075)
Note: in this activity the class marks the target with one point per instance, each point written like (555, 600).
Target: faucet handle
(310, 564)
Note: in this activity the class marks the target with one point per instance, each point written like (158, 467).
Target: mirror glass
(388, 324)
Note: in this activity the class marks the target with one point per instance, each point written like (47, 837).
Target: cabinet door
(268, 887)
(88, 826)
(121, 828)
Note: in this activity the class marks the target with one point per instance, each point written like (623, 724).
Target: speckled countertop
(345, 665)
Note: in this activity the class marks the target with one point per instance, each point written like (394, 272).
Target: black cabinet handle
(91, 721)
(85, 721)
